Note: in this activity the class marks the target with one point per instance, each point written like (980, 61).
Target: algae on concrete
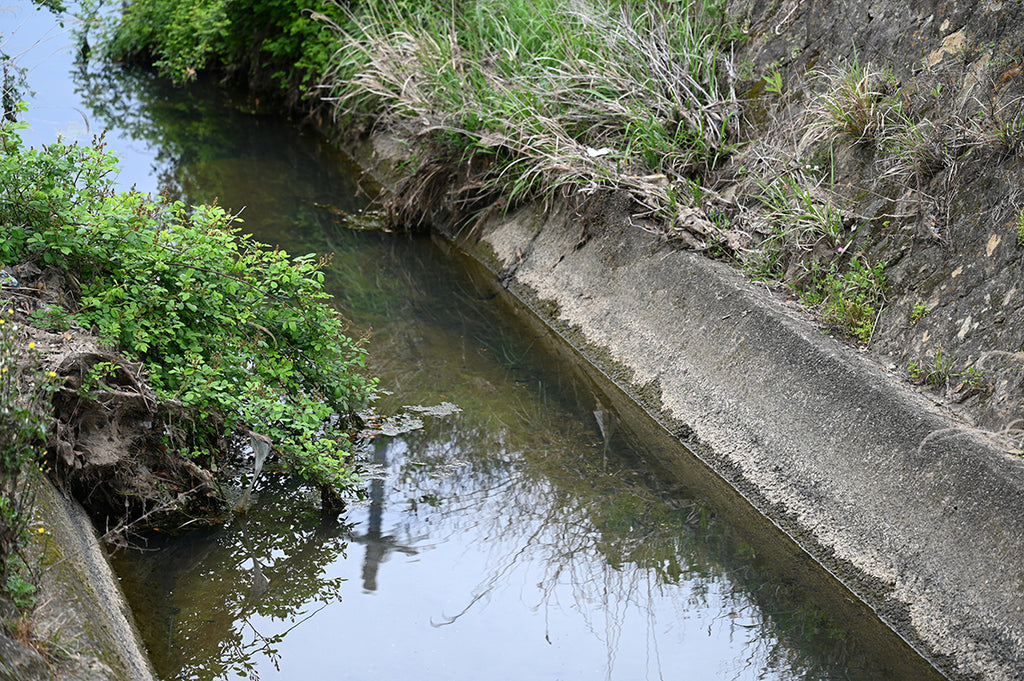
(81, 615)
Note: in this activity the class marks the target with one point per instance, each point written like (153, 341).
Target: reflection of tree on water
(133, 102)
(208, 144)
(551, 495)
(208, 591)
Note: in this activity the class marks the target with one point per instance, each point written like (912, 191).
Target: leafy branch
(180, 289)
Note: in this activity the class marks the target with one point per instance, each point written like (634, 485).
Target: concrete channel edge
(921, 516)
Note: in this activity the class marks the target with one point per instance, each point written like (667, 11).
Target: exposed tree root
(111, 443)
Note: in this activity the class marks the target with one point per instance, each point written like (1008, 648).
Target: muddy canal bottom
(528, 535)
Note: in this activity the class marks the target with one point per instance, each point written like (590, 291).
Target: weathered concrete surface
(949, 233)
(81, 610)
(920, 516)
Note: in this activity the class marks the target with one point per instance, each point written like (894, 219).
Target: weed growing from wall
(937, 372)
(22, 435)
(918, 313)
(915, 160)
(849, 299)
(799, 216)
(915, 150)
(856, 102)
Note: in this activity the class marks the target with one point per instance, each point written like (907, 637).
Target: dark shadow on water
(200, 592)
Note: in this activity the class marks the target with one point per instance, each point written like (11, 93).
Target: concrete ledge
(83, 602)
(918, 515)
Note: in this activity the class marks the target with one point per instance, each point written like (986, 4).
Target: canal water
(521, 520)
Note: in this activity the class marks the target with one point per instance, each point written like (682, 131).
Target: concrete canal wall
(920, 515)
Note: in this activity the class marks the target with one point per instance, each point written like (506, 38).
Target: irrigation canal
(530, 533)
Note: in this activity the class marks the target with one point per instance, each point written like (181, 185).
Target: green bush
(275, 43)
(232, 329)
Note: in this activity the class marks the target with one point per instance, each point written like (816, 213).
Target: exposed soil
(106, 445)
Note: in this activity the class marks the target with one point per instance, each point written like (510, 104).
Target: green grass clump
(552, 93)
(857, 100)
(228, 327)
(938, 372)
(799, 215)
(849, 299)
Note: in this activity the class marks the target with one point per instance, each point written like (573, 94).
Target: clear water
(546, 531)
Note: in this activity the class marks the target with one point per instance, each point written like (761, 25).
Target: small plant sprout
(98, 374)
(974, 377)
(941, 370)
(918, 313)
(935, 375)
(1020, 228)
(773, 83)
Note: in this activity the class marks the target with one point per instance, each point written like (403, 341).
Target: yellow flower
(42, 530)
(31, 346)
(51, 374)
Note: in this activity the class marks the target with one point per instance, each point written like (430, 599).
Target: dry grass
(559, 94)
